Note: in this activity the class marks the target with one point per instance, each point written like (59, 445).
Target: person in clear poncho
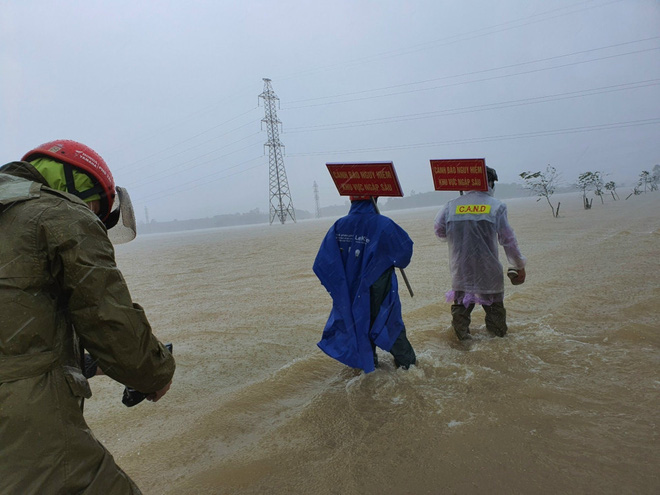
(472, 225)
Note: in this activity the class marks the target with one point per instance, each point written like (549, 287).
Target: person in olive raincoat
(61, 292)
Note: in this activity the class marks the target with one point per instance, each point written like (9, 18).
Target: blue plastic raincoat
(356, 251)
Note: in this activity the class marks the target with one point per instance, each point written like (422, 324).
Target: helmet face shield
(121, 220)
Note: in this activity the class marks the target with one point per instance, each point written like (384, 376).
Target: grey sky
(167, 91)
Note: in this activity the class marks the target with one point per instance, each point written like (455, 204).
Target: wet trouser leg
(460, 320)
(496, 319)
(402, 350)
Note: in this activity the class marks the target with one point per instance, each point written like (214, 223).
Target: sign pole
(405, 279)
(403, 273)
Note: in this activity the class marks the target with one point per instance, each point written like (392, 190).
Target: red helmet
(85, 159)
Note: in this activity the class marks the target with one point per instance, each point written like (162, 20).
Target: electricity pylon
(316, 198)
(281, 204)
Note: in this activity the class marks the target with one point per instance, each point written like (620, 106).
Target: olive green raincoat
(57, 274)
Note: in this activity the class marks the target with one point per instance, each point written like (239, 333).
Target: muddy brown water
(568, 402)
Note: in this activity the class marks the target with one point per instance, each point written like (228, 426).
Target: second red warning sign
(466, 174)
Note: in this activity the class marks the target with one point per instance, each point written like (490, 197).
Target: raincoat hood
(16, 171)
(24, 170)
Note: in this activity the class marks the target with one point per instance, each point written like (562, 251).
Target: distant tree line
(228, 220)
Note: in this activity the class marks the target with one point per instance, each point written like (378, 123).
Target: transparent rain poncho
(473, 224)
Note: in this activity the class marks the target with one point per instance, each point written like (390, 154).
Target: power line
(569, 130)
(478, 108)
(410, 117)
(445, 112)
(462, 37)
(482, 71)
(478, 80)
(448, 40)
(196, 163)
(178, 144)
(498, 105)
(206, 180)
(173, 124)
(470, 35)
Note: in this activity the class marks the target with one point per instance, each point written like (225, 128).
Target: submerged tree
(655, 178)
(543, 184)
(650, 180)
(644, 179)
(598, 183)
(588, 180)
(611, 187)
(584, 183)
(636, 190)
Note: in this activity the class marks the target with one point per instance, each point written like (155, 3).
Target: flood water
(567, 402)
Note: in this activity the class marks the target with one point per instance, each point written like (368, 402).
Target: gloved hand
(517, 276)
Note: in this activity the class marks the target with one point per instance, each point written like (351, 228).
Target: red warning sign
(468, 174)
(365, 179)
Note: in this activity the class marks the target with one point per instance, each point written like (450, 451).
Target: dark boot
(403, 352)
(460, 320)
(496, 319)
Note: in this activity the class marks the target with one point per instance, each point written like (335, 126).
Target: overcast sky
(167, 91)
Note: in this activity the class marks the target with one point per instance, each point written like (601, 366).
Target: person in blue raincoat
(355, 263)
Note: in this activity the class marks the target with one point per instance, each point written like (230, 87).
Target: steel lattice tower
(281, 203)
(316, 198)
